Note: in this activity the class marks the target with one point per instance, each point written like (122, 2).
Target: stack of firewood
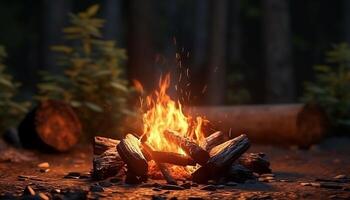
(219, 158)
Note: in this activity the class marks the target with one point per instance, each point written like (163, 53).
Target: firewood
(192, 149)
(102, 144)
(222, 157)
(106, 161)
(51, 125)
(150, 155)
(256, 162)
(238, 173)
(288, 124)
(129, 150)
(214, 139)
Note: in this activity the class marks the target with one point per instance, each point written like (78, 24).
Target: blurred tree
(140, 43)
(280, 84)
(53, 21)
(217, 53)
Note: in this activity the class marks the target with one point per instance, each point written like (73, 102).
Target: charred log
(192, 149)
(214, 139)
(256, 162)
(51, 125)
(107, 164)
(102, 144)
(130, 152)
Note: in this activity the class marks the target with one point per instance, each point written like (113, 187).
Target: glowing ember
(162, 114)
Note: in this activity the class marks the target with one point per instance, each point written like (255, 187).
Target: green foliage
(92, 80)
(237, 94)
(11, 111)
(331, 89)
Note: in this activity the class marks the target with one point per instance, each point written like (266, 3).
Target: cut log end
(51, 124)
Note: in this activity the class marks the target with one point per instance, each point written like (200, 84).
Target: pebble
(171, 187)
(305, 184)
(284, 180)
(44, 170)
(231, 183)
(43, 196)
(44, 165)
(315, 184)
(186, 185)
(57, 191)
(156, 189)
(220, 186)
(96, 188)
(209, 188)
(340, 176)
(331, 186)
(267, 175)
(73, 175)
(28, 191)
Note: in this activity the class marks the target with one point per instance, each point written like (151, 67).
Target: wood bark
(192, 149)
(222, 157)
(106, 160)
(51, 125)
(214, 139)
(280, 83)
(129, 150)
(285, 124)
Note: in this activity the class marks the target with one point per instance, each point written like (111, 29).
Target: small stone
(96, 188)
(331, 186)
(341, 176)
(44, 170)
(186, 185)
(28, 191)
(220, 187)
(44, 165)
(209, 188)
(315, 184)
(269, 178)
(262, 179)
(284, 180)
(85, 176)
(172, 187)
(267, 175)
(73, 175)
(231, 183)
(105, 184)
(156, 189)
(43, 196)
(305, 184)
(57, 191)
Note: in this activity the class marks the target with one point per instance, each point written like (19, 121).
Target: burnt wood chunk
(214, 139)
(192, 149)
(172, 158)
(130, 152)
(106, 161)
(238, 173)
(222, 157)
(51, 125)
(102, 144)
(256, 162)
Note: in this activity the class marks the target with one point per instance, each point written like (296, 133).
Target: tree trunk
(280, 83)
(217, 64)
(113, 15)
(140, 44)
(54, 19)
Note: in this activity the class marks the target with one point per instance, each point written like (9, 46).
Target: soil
(297, 174)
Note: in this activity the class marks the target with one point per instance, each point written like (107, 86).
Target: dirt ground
(299, 174)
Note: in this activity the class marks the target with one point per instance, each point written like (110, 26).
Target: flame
(162, 114)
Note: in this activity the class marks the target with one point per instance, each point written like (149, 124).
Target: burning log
(255, 162)
(51, 125)
(214, 139)
(192, 149)
(172, 158)
(130, 152)
(279, 124)
(222, 157)
(106, 161)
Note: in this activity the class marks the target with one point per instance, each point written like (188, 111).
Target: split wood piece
(285, 124)
(214, 139)
(172, 158)
(256, 162)
(129, 150)
(102, 144)
(149, 154)
(51, 125)
(107, 164)
(222, 157)
(192, 149)
(106, 161)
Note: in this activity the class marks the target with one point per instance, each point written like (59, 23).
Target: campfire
(173, 146)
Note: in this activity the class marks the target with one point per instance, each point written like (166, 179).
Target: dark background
(272, 44)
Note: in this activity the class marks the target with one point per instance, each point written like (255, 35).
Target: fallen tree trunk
(192, 149)
(129, 150)
(296, 124)
(51, 125)
(106, 160)
(221, 158)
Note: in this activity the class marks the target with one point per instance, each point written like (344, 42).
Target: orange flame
(165, 114)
